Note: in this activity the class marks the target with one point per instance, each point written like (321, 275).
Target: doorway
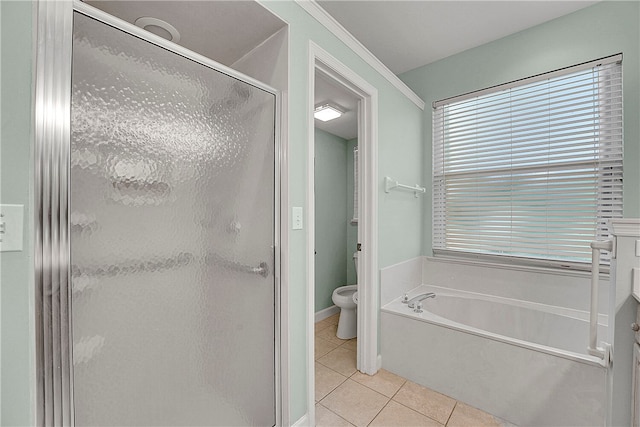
(324, 66)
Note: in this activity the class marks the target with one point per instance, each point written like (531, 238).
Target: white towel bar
(389, 184)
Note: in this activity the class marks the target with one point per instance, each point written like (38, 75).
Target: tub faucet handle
(418, 308)
(413, 301)
(405, 298)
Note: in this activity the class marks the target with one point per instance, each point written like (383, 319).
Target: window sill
(492, 262)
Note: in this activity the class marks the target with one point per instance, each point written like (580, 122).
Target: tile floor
(346, 397)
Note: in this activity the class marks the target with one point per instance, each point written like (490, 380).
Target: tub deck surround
(563, 288)
(399, 278)
(523, 362)
(551, 329)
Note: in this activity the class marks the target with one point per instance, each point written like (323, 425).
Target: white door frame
(368, 361)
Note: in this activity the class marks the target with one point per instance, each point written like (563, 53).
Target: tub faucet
(414, 300)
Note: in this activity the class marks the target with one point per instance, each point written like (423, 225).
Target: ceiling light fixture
(326, 112)
(159, 28)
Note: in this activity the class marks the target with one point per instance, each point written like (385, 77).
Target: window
(531, 169)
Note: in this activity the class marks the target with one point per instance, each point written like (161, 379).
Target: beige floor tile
(340, 360)
(427, 402)
(465, 415)
(323, 347)
(329, 334)
(351, 344)
(333, 320)
(397, 415)
(326, 418)
(319, 326)
(324, 323)
(383, 382)
(326, 381)
(355, 403)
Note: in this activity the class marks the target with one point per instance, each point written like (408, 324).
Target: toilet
(346, 297)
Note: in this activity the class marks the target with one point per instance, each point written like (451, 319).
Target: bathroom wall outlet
(296, 218)
(11, 223)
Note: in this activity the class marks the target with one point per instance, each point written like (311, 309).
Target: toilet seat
(343, 296)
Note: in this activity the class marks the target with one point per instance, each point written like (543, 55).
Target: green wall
(330, 216)
(400, 149)
(400, 218)
(16, 282)
(335, 236)
(603, 29)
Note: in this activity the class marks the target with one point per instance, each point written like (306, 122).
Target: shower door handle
(262, 269)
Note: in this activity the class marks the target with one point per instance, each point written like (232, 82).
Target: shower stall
(157, 257)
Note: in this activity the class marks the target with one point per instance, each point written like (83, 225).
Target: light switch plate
(296, 218)
(11, 227)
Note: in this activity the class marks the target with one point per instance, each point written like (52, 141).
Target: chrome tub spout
(412, 302)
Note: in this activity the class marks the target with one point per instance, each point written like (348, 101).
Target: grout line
(373, 389)
(345, 420)
(342, 344)
(333, 389)
(454, 408)
(418, 412)
(331, 351)
(366, 386)
(378, 413)
(345, 343)
(323, 354)
(331, 369)
(337, 344)
(399, 388)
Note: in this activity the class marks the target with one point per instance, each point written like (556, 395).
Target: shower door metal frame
(53, 334)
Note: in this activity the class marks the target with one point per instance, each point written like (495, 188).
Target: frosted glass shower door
(172, 237)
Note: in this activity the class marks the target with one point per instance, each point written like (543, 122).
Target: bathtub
(521, 361)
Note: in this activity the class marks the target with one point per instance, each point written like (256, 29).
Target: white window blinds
(531, 169)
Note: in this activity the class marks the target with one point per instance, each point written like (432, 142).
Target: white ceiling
(221, 30)
(408, 34)
(345, 126)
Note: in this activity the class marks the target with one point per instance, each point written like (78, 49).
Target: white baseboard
(379, 362)
(327, 312)
(303, 421)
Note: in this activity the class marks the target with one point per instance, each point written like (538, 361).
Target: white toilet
(346, 298)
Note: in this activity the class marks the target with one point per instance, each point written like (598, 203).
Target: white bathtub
(521, 361)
